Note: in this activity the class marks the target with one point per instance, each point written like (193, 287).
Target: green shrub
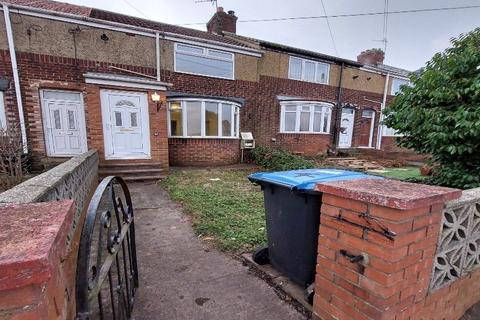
(440, 113)
(279, 160)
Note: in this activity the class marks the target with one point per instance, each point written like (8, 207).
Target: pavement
(181, 278)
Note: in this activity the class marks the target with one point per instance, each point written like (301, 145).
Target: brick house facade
(67, 48)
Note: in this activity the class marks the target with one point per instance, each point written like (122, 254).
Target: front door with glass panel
(346, 128)
(125, 125)
(64, 123)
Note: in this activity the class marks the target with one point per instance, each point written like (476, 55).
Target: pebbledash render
(148, 95)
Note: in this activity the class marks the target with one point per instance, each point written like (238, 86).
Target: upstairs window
(305, 117)
(3, 117)
(203, 61)
(194, 118)
(397, 84)
(308, 70)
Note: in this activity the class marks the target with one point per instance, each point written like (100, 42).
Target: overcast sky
(412, 38)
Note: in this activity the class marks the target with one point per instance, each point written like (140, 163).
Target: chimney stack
(222, 21)
(371, 57)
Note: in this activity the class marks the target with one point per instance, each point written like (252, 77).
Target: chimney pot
(371, 57)
(222, 22)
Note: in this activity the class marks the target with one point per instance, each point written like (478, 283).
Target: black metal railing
(107, 275)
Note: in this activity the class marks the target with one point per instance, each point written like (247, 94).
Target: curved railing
(107, 275)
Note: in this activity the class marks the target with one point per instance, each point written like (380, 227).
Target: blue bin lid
(306, 179)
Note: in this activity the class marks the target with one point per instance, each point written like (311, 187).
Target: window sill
(205, 75)
(313, 133)
(314, 82)
(213, 138)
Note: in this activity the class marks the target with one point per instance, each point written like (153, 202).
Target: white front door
(125, 125)
(64, 123)
(346, 128)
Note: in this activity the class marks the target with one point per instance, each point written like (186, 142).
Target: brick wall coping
(390, 193)
(28, 237)
(41, 187)
(468, 196)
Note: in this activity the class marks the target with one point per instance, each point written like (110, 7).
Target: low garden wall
(40, 228)
(396, 250)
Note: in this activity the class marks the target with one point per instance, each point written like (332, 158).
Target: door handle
(69, 133)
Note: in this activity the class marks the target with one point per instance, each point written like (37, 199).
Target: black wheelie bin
(292, 211)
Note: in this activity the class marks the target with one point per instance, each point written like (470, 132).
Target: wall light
(156, 98)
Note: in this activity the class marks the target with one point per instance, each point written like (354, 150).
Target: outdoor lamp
(156, 98)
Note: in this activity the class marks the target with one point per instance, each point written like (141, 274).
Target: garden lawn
(225, 207)
(402, 173)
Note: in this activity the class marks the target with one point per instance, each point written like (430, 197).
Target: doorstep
(291, 291)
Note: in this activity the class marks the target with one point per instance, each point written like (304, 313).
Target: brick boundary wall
(393, 280)
(75, 179)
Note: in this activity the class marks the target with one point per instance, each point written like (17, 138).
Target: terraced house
(148, 95)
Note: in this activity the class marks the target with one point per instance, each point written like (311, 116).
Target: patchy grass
(403, 173)
(225, 207)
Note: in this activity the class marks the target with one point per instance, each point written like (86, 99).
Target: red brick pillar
(394, 226)
(37, 277)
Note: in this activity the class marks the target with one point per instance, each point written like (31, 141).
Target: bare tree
(12, 161)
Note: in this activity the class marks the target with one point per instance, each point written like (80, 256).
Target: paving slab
(181, 278)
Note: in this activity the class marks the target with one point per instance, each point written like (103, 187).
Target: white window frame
(3, 112)
(183, 101)
(204, 55)
(407, 83)
(326, 107)
(302, 78)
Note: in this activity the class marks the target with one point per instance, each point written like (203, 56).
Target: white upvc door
(64, 123)
(125, 125)
(346, 128)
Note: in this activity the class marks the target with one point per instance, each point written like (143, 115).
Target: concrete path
(181, 279)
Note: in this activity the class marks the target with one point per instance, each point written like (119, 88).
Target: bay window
(305, 117)
(203, 61)
(308, 70)
(201, 118)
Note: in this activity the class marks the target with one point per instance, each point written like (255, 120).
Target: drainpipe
(16, 78)
(382, 107)
(336, 131)
(157, 48)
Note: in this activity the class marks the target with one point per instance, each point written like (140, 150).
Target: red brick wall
(305, 144)
(393, 282)
(205, 152)
(48, 72)
(261, 113)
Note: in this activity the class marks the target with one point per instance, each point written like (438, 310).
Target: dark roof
(52, 6)
(121, 18)
(163, 27)
(284, 48)
(229, 38)
(393, 70)
(304, 52)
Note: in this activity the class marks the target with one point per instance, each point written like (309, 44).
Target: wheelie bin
(292, 211)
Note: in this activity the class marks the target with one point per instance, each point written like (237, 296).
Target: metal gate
(107, 275)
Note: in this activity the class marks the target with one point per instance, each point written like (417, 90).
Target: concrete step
(133, 171)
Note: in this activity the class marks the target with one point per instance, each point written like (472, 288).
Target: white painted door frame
(48, 128)
(372, 127)
(108, 131)
(349, 136)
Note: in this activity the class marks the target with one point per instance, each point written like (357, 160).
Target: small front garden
(225, 208)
